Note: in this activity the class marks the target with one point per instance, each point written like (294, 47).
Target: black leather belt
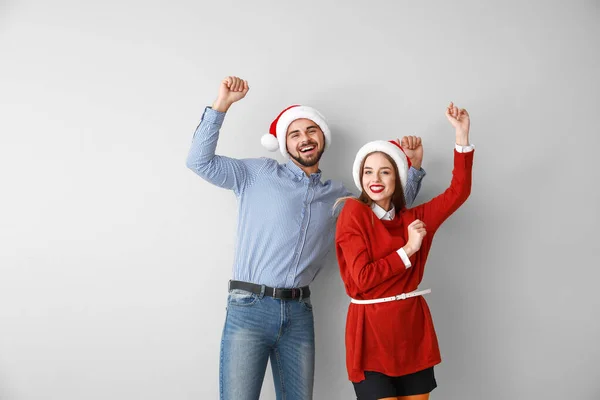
(283, 294)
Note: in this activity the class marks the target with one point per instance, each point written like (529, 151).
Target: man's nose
(303, 137)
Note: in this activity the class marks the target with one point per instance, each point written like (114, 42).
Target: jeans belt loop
(301, 294)
(262, 292)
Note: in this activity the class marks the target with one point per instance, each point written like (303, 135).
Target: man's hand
(459, 118)
(413, 149)
(232, 89)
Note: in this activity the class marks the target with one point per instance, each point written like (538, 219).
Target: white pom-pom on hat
(269, 142)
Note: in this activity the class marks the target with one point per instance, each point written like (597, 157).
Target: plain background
(114, 257)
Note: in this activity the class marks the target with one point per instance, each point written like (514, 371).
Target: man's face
(305, 142)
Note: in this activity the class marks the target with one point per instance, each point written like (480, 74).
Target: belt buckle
(401, 296)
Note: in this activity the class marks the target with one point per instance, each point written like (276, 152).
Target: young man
(285, 229)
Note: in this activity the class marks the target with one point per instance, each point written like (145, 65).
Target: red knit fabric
(395, 338)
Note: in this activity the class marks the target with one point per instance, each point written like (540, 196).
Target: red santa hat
(392, 149)
(276, 138)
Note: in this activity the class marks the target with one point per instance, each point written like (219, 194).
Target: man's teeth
(305, 149)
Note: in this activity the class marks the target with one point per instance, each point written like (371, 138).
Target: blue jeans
(259, 328)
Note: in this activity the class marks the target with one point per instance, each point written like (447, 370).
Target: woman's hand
(459, 118)
(416, 233)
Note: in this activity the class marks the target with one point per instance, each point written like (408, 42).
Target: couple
(286, 227)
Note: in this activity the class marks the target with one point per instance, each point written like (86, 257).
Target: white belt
(392, 298)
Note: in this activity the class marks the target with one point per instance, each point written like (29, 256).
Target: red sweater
(397, 337)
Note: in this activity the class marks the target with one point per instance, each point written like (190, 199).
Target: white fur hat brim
(385, 147)
(295, 113)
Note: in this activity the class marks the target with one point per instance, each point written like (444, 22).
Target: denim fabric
(259, 328)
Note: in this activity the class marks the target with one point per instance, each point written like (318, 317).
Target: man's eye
(367, 172)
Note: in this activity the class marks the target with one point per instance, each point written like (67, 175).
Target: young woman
(382, 248)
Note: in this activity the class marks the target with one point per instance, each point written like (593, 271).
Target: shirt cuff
(417, 174)
(213, 116)
(464, 149)
(404, 257)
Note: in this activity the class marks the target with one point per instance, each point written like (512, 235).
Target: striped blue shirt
(286, 224)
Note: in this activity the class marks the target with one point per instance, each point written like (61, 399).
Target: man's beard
(307, 163)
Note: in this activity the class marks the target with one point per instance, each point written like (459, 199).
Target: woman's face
(379, 179)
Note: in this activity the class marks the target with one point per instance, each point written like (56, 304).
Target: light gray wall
(114, 257)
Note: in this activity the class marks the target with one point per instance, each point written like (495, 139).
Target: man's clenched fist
(232, 89)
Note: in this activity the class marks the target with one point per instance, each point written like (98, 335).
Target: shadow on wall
(4, 392)
(5, 10)
(331, 306)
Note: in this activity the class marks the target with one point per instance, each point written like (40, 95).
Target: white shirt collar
(382, 214)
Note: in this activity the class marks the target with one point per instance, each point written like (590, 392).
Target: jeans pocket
(242, 298)
(306, 303)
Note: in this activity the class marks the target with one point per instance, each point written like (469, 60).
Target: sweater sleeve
(353, 247)
(438, 209)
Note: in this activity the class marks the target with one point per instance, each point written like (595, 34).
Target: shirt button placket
(305, 217)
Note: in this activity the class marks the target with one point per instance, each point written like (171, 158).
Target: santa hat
(392, 149)
(276, 138)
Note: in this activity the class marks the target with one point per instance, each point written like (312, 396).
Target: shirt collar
(291, 165)
(382, 214)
